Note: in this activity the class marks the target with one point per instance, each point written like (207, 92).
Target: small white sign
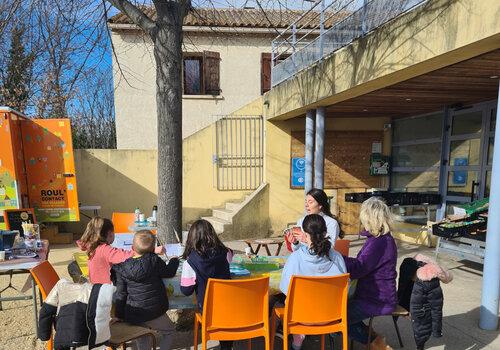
(377, 147)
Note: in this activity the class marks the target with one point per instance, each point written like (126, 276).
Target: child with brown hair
(96, 241)
(141, 297)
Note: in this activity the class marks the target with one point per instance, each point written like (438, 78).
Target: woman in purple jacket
(375, 270)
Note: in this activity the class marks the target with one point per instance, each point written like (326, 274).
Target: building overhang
(423, 44)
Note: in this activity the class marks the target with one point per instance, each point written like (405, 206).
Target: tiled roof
(237, 17)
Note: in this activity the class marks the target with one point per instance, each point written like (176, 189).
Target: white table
(23, 266)
(135, 228)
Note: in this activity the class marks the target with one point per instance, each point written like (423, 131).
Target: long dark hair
(315, 226)
(322, 199)
(203, 240)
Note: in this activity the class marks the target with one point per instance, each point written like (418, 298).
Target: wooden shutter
(265, 72)
(211, 72)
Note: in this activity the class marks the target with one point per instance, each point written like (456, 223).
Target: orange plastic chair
(342, 246)
(323, 313)
(46, 278)
(234, 310)
(121, 222)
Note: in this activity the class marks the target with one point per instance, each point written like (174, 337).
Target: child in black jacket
(420, 291)
(141, 297)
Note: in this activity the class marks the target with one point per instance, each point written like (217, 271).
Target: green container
(260, 266)
(476, 206)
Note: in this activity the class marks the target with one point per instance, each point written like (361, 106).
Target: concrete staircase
(222, 218)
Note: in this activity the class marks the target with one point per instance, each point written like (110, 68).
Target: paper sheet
(175, 249)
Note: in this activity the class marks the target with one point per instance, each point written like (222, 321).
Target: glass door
(469, 149)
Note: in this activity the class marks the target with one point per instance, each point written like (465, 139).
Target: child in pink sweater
(96, 241)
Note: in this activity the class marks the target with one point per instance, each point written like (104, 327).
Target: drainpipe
(309, 150)
(488, 318)
(319, 151)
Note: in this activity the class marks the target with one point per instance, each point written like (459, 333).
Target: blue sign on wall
(460, 177)
(298, 172)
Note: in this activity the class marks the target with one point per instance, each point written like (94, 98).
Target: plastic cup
(2, 255)
(248, 251)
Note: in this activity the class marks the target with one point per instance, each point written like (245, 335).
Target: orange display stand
(37, 167)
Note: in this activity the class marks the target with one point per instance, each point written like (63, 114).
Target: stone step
(223, 214)
(232, 206)
(219, 224)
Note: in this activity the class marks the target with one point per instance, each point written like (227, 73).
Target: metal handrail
(364, 16)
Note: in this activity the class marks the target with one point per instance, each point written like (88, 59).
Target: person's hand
(299, 234)
(290, 237)
(160, 250)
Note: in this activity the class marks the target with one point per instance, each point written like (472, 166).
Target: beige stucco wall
(438, 34)
(252, 220)
(120, 180)
(135, 101)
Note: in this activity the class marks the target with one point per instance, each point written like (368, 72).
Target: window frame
(197, 56)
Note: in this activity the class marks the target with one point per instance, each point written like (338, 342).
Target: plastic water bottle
(153, 214)
(137, 213)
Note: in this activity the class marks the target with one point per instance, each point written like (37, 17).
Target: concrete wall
(435, 35)
(252, 220)
(135, 101)
(120, 180)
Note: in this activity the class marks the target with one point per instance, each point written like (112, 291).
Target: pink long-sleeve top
(100, 263)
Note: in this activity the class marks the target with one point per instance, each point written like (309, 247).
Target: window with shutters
(265, 72)
(201, 73)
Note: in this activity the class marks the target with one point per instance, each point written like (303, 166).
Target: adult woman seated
(316, 203)
(375, 270)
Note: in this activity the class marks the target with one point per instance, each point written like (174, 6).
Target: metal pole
(364, 28)
(488, 318)
(319, 150)
(309, 150)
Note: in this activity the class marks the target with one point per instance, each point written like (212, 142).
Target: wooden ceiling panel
(467, 82)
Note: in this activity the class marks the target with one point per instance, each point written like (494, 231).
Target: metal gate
(239, 158)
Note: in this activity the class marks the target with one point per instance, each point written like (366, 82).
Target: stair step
(223, 214)
(232, 206)
(218, 223)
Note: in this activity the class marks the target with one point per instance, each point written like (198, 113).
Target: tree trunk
(167, 40)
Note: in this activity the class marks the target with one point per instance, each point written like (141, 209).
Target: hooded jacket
(198, 269)
(375, 269)
(79, 313)
(426, 303)
(303, 262)
(140, 293)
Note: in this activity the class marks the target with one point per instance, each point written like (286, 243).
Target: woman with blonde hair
(375, 270)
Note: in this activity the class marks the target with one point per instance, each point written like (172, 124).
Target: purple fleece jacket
(375, 270)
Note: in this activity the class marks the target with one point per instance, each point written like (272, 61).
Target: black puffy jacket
(76, 315)
(426, 308)
(426, 303)
(140, 293)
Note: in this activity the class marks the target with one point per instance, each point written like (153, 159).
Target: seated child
(141, 297)
(313, 258)
(206, 257)
(96, 241)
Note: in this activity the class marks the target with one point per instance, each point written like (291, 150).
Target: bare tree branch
(135, 14)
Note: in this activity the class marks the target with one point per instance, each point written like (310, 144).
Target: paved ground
(461, 310)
